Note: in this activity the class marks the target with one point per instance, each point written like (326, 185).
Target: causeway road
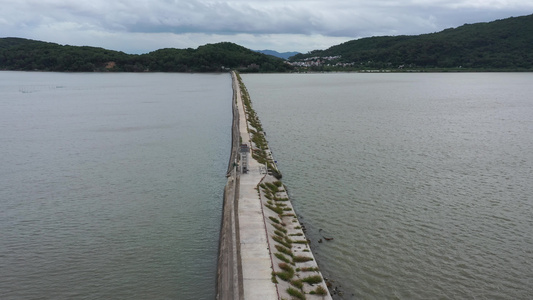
(244, 264)
(249, 236)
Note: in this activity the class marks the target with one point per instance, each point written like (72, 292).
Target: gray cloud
(268, 23)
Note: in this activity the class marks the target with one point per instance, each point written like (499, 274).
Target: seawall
(263, 251)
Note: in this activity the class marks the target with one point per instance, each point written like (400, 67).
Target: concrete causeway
(263, 252)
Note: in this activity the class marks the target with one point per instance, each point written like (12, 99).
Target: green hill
(499, 45)
(30, 55)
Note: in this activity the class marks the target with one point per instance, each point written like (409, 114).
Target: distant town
(317, 61)
(335, 63)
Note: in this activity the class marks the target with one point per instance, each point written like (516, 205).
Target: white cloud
(279, 24)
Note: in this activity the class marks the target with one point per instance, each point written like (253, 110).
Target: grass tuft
(313, 279)
(273, 219)
(274, 279)
(296, 293)
(275, 209)
(284, 250)
(299, 258)
(282, 257)
(320, 290)
(280, 228)
(300, 242)
(297, 283)
(281, 241)
(285, 276)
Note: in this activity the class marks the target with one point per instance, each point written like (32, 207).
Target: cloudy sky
(141, 26)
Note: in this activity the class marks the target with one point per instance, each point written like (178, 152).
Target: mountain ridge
(31, 55)
(284, 55)
(498, 45)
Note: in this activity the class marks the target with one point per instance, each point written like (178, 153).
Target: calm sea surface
(111, 184)
(425, 181)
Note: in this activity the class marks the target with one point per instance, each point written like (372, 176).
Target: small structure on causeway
(243, 153)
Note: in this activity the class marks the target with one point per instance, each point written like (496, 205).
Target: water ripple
(426, 192)
(106, 196)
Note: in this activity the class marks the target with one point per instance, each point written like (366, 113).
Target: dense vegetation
(499, 45)
(24, 54)
(504, 45)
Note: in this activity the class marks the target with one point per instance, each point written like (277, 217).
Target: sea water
(424, 181)
(111, 184)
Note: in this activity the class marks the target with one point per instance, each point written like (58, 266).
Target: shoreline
(263, 251)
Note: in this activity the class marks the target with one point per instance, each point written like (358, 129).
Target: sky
(141, 26)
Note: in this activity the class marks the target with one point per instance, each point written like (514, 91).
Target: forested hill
(31, 55)
(499, 45)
